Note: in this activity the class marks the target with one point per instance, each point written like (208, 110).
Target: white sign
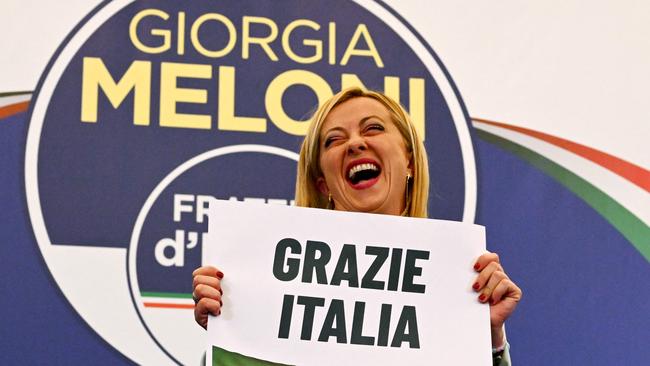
(317, 287)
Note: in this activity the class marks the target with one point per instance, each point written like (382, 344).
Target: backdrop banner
(534, 116)
(305, 286)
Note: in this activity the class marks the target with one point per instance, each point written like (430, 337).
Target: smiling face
(363, 158)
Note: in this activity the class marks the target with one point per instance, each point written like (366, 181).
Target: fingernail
(481, 298)
(219, 274)
(477, 265)
(475, 286)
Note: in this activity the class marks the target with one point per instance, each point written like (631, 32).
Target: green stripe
(632, 228)
(221, 357)
(11, 94)
(173, 295)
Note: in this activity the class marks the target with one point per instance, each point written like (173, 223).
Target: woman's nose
(356, 145)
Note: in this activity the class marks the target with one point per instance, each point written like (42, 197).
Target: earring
(330, 204)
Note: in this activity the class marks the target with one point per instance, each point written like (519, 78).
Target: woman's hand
(496, 288)
(206, 292)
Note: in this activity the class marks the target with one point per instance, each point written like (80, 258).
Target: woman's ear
(322, 186)
(411, 163)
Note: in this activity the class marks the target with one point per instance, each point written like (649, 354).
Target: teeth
(357, 168)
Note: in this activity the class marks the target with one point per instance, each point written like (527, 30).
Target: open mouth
(363, 172)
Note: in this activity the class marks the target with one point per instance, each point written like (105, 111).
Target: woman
(361, 153)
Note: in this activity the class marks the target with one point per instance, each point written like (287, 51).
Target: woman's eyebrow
(361, 122)
(365, 119)
(323, 133)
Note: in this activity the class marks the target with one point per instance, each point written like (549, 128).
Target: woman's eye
(329, 141)
(375, 127)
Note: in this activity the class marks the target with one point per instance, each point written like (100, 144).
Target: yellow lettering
(164, 33)
(226, 114)
(332, 43)
(361, 31)
(279, 85)
(194, 35)
(350, 80)
(416, 105)
(137, 78)
(170, 94)
(317, 45)
(391, 87)
(247, 40)
(180, 39)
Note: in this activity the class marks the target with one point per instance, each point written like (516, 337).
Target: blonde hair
(307, 192)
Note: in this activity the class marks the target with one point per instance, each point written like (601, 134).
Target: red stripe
(168, 306)
(11, 109)
(631, 172)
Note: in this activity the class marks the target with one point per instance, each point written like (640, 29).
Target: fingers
(485, 276)
(495, 276)
(208, 271)
(505, 288)
(495, 287)
(206, 276)
(206, 292)
(206, 281)
(484, 260)
(202, 291)
(491, 277)
(205, 307)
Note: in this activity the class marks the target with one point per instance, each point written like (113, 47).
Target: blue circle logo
(151, 107)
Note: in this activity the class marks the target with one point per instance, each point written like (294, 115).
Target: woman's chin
(374, 204)
(372, 196)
